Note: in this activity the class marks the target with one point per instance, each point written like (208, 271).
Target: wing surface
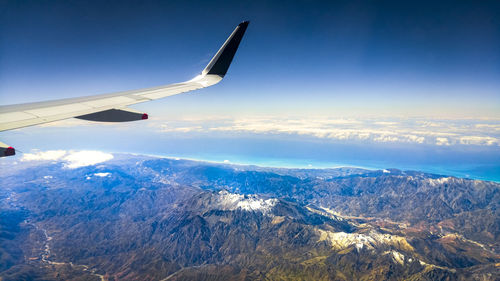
(113, 107)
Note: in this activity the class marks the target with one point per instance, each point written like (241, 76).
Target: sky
(382, 84)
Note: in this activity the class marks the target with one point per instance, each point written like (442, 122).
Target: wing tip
(222, 60)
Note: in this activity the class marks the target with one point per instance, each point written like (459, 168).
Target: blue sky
(413, 77)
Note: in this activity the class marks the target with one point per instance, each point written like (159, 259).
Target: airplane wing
(113, 107)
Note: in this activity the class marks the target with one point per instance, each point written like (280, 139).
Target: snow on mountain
(232, 201)
(371, 240)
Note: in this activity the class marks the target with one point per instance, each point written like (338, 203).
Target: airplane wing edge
(111, 106)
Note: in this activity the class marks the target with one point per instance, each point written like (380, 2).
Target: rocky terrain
(144, 218)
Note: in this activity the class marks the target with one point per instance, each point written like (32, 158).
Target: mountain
(144, 218)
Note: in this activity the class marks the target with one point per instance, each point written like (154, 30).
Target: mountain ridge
(142, 218)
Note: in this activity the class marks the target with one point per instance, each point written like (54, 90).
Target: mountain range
(146, 218)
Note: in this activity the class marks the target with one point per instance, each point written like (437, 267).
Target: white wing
(113, 107)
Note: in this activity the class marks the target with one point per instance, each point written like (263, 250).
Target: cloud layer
(419, 131)
(71, 159)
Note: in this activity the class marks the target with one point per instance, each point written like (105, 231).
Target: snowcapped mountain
(142, 218)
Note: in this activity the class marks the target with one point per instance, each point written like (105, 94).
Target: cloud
(71, 159)
(168, 128)
(49, 155)
(86, 158)
(442, 141)
(479, 140)
(383, 130)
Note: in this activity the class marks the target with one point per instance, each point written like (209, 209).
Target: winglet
(221, 61)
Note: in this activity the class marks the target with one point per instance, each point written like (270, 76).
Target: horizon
(72, 159)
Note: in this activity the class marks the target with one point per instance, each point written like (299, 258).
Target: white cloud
(479, 140)
(402, 130)
(86, 158)
(44, 155)
(168, 128)
(442, 141)
(102, 175)
(71, 159)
